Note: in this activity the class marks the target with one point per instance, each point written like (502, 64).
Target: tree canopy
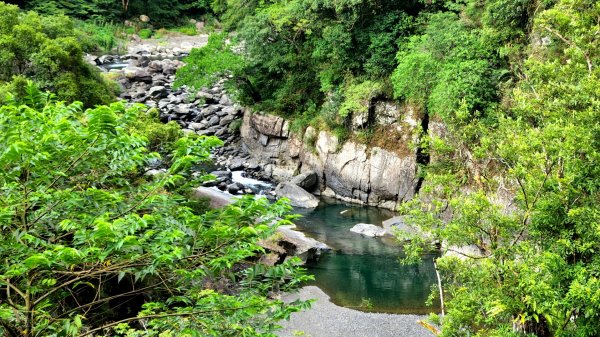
(46, 49)
(91, 245)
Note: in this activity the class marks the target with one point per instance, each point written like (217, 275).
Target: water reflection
(362, 268)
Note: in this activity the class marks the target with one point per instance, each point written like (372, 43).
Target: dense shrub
(46, 50)
(93, 247)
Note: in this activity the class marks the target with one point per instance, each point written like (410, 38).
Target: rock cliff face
(350, 171)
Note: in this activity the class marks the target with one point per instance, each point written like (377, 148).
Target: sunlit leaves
(78, 215)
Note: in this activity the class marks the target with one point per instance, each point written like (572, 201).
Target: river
(364, 272)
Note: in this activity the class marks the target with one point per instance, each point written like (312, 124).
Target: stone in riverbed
(142, 75)
(217, 199)
(222, 174)
(396, 226)
(306, 180)
(289, 242)
(297, 195)
(158, 92)
(236, 164)
(235, 188)
(196, 126)
(214, 120)
(206, 97)
(226, 120)
(155, 67)
(368, 230)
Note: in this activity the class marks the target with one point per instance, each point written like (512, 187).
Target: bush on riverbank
(93, 246)
(47, 51)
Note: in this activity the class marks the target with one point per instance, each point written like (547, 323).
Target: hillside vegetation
(515, 178)
(92, 245)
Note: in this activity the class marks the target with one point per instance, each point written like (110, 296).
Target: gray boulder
(208, 98)
(142, 75)
(217, 199)
(155, 67)
(368, 230)
(270, 125)
(289, 242)
(237, 164)
(222, 174)
(396, 226)
(297, 195)
(158, 92)
(235, 188)
(306, 180)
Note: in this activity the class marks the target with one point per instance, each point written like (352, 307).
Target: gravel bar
(326, 319)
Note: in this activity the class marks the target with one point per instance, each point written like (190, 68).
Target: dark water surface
(362, 269)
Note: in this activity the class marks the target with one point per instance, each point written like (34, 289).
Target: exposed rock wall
(350, 171)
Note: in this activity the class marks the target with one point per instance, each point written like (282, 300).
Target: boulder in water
(368, 230)
(297, 195)
(288, 242)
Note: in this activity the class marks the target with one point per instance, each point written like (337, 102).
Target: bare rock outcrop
(350, 171)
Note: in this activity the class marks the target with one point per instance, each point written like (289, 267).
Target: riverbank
(326, 319)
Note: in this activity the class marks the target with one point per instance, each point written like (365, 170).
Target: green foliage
(530, 214)
(206, 65)
(162, 13)
(161, 137)
(91, 246)
(145, 33)
(448, 68)
(295, 54)
(46, 50)
(358, 96)
(99, 35)
(188, 29)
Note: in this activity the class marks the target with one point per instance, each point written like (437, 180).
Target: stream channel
(361, 272)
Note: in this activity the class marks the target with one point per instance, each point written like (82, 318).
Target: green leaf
(36, 260)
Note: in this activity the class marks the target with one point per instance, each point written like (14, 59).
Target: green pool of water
(363, 272)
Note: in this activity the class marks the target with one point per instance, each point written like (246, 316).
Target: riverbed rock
(142, 75)
(217, 199)
(368, 230)
(398, 227)
(235, 188)
(155, 67)
(307, 180)
(287, 243)
(297, 195)
(158, 92)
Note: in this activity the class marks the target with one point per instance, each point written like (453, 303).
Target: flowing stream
(364, 272)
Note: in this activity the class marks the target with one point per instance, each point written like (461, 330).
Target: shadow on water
(361, 269)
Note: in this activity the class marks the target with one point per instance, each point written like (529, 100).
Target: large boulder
(155, 66)
(217, 199)
(306, 180)
(392, 177)
(287, 243)
(297, 195)
(269, 125)
(158, 92)
(142, 75)
(368, 230)
(396, 226)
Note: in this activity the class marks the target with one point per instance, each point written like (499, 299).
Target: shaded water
(363, 272)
